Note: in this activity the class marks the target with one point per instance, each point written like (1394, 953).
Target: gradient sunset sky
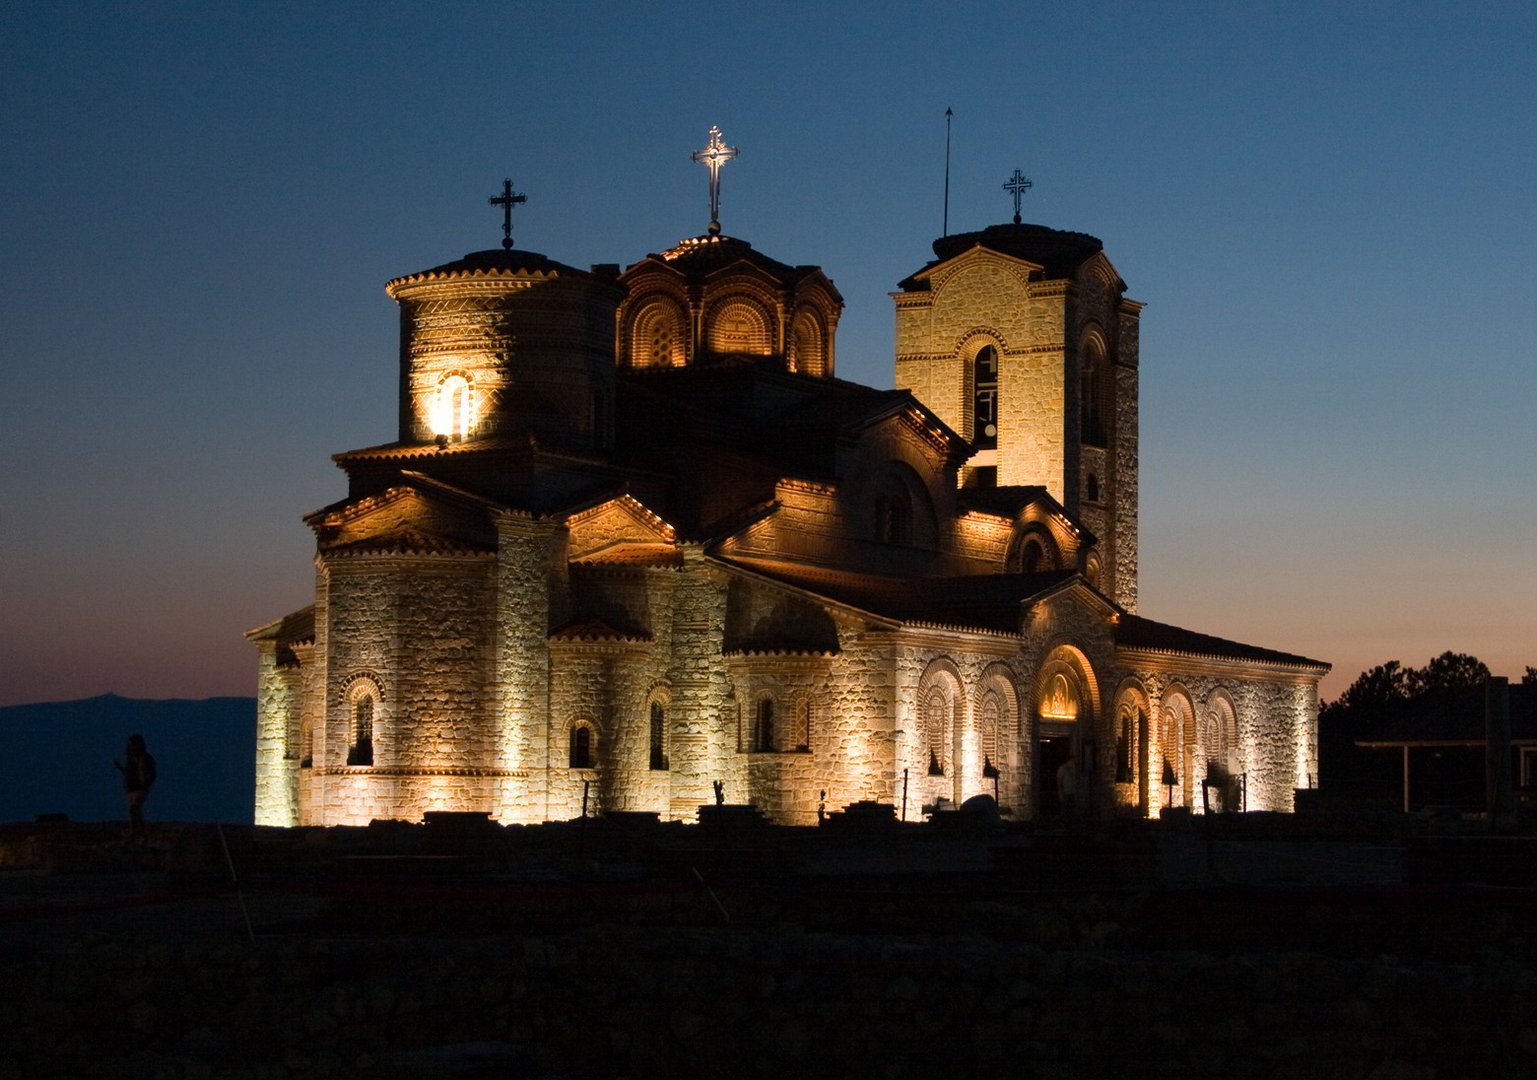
(1329, 209)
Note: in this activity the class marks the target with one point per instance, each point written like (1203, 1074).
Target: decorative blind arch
(739, 325)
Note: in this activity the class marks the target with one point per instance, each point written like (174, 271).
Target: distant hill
(58, 758)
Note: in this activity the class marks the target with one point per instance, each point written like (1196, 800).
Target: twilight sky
(1328, 209)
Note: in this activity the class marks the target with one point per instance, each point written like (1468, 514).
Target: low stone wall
(672, 1002)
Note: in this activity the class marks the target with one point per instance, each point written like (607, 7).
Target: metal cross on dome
(1018, 185)
(713, 156)
(507, 200)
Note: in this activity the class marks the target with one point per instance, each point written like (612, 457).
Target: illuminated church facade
(634, 538)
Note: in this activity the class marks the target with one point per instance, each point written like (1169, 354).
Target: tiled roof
(408, 541)
(990, 602)
(594, 630)
(1135, 632)
(494, 263)
(632, 555)
(1059, 251)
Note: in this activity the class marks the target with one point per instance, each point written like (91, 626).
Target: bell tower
(1020, 337)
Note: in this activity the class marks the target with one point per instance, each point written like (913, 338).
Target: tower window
(1091, 488)
(361, 752)
(582, 756)
(984, 387)
(763, 726)
(658, 736)
(452, 412)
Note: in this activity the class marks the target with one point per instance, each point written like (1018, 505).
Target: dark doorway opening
(1056, 751)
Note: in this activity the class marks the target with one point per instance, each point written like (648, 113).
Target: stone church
(634, 539)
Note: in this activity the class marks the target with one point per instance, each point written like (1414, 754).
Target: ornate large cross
(1018, 185)
(713, 156)
(507, 200)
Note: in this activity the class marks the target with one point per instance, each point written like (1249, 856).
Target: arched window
(307, 747)
(984, 398)
(361, 752)
(763, 726)
(936, 730)
(1032, 552)
(1125, 743)
(453, 410)
(658, 736)
(809, 354)
(1092, 392)
(583, 753)
(656, 335)
(803, 724)
(988, 719)
(739, 325)
(893, 508)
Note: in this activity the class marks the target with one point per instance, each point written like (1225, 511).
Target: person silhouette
(138, 777)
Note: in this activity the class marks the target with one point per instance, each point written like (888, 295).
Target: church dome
(715, 298)
(502, 342)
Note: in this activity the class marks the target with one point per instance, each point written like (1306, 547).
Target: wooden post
(1406, 778)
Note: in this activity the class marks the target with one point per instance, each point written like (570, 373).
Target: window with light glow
(453, 409)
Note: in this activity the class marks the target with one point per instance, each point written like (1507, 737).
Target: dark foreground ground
(1253, 947)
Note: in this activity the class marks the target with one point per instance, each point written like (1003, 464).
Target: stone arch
(582, 744)
(982, 353)
(657, 333)
(1130, 731)
(938, 704)
(1033, 550)
(1176, 747)
(658, 716)
(363, 700)
(454, 407)
(1094, 386)
(808, 343)
(1066, 704)
(739, 324)
(1093, 569)
(1224, 753)
(896, 507)
(999, 732)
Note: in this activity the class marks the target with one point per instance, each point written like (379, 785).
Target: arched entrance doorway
(1066, 702)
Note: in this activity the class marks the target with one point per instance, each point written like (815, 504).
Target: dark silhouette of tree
(1373, 699)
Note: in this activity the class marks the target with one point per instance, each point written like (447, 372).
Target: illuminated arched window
(989, 716)
(453, 409)
(656, 335)
(936, 730)
(739, 326)
(1033, 552)
(361, 752)
(658, 736)
(984, 397)
(808, 354)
